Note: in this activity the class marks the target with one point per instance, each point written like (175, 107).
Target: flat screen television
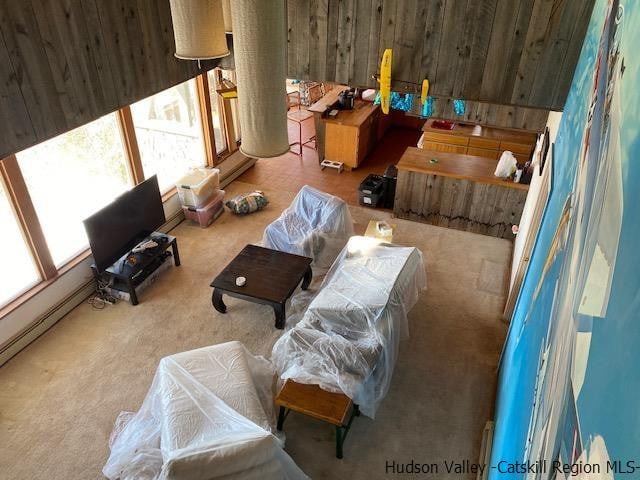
(121, 225)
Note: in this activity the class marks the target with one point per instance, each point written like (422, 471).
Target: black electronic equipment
(121, 225)
(346, 99)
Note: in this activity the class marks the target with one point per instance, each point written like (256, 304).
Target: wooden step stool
(311, 400)
(331, 164)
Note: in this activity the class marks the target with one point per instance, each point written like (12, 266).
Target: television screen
(121, 225)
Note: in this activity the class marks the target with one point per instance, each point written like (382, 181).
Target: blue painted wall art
(570, 370)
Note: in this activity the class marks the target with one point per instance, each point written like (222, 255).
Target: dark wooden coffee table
(272, 277)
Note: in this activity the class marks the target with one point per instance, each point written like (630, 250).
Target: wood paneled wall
(64, 63)
(511, 52)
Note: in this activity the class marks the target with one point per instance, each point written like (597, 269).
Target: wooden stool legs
(282, 415)
(341, 431)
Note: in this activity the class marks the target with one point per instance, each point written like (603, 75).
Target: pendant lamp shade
(226, 12)
(260, 52)
(198, 28)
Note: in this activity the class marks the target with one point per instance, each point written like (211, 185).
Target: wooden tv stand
(134, 268)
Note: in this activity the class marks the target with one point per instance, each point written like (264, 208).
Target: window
(19, 270)
(169, 133)
(231, 76)
(72, 176)
(216, 112)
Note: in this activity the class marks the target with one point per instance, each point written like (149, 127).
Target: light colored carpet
(60, 396)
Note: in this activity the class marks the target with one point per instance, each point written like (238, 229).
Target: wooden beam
(206, 119)
(27, 217)
(130, 143)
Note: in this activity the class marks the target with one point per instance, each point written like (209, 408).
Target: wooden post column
(27, 218)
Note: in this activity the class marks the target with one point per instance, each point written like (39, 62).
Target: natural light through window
(216, 112)
(19, 271)
(72, 176)
(230, 75)
(169, 133)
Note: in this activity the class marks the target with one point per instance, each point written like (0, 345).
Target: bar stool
(300, 116)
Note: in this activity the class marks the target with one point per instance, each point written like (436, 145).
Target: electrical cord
(101, 298)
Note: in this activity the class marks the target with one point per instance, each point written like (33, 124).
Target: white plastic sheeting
(348, 339)
(208, 414)
(315, 225)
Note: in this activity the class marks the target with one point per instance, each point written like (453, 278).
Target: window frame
(206, 129)
(27, 218)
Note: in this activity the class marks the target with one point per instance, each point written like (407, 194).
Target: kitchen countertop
(479, 131)
(455, 165)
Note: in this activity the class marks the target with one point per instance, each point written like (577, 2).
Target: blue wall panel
(569, 377)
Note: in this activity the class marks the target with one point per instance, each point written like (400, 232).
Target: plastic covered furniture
(315, 225)
(208, 414)
(348, 339)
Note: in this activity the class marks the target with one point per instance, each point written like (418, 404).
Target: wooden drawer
(483, 152)
(489, 143)
(516, 147)
(446, 138)
(444, 147)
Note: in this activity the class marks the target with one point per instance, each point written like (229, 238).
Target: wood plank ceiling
(510, 52)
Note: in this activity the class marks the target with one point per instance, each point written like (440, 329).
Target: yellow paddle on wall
(425, 91)
(385, 80)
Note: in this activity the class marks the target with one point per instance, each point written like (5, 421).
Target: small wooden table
(311, 400)
(272, 277)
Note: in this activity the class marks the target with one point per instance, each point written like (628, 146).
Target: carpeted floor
(60, 396)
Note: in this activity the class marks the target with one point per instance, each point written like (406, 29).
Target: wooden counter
(478, 140)
(454, 165)
(459, 191)
(329, 99)
(349, 137)
(318, 109)
(480, 131)
(354, 118)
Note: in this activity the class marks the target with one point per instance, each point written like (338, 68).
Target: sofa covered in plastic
(315, 225)
(348, 339)
(208, 415)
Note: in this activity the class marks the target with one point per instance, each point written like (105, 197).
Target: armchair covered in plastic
(315, 225)
(208, 414)
(348, 339)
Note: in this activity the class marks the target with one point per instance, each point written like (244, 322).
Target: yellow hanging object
(385, 80)
(425, 91)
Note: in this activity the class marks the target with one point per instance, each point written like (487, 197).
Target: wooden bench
(311, 400)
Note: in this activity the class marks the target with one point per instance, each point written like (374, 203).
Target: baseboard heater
(485, 450)
(234, 166)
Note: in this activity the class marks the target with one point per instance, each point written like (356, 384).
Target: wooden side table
(311, 400)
